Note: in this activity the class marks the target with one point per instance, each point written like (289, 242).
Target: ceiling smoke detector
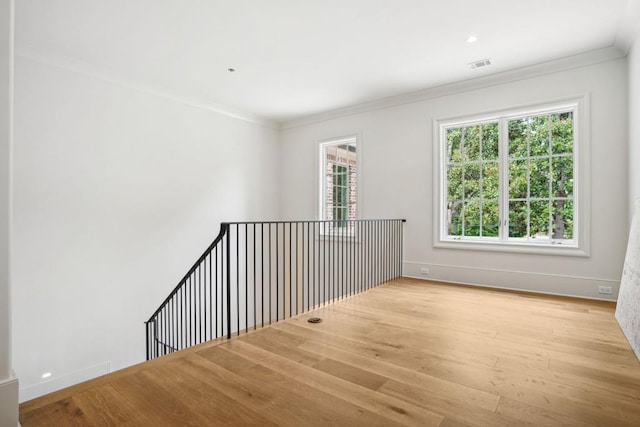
(479, 64)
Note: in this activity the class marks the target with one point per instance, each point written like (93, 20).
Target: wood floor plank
(207, 401)
(378, 350)
(615, 373)
(300, 404)
(605, 383)
(104, 406)
(275, 400)
(449, 422)
(283, 344)
(155, 403)
(451, 409)
(535, 415)
(62, 412)
(577, 402)
(293, 402)
(351, 373)
(415, 319)
(575, 350)
(223, 358)
(611, 336)
(445, 388)
(230, 384)
(394, 409)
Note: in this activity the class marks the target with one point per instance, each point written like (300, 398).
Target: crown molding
(84, 68)
(629, 27)
(549, 67)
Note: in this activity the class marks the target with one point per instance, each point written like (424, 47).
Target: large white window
(338, 182)
(510, 180)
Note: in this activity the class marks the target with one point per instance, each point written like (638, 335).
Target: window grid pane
(472, 180)
(539, 176)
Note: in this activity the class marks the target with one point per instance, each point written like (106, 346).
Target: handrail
(262, 272)
(311, 221)
(224, 227)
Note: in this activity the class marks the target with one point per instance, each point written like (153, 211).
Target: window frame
(580, 244)
(321, 184)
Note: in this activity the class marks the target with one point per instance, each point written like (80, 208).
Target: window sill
(570, 250)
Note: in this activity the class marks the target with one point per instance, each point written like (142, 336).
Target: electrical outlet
(604, 290)
(424, 271)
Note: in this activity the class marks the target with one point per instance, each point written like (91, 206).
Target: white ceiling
(299, 57)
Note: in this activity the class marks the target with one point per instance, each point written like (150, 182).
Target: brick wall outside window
(337, 159)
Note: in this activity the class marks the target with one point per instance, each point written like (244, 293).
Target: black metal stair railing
(256, 273)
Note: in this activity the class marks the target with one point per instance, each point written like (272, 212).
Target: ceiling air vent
(479, 64)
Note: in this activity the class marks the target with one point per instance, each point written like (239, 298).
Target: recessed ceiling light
(472, 39)
(46, 375)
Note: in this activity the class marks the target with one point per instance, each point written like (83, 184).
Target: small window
(338, 183)
(510, 179)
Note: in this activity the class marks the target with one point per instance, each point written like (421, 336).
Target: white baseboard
(9, 402)
(543, 283)
(59, 382)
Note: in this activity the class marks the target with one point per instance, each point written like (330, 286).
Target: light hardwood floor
(407, 353)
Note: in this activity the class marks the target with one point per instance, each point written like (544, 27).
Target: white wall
(8, 384)
(633, 60)
(117, 192)
(397, 179)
